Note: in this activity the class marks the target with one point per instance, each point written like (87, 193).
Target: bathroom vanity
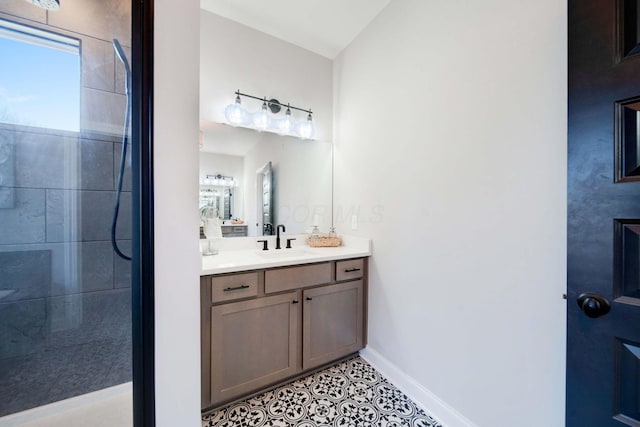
(234, 230)
(270, 317)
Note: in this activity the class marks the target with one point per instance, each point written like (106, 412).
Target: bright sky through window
(39, 78)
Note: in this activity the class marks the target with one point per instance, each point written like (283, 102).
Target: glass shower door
(65, 295)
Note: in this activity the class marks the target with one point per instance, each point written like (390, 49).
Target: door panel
(333, 322)
(265, 200)
(627, 392)
(603, 212)
(254, 343)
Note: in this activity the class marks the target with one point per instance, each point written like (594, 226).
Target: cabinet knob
(309, 299)
(295, 301)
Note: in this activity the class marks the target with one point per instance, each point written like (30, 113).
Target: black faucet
(278, 235)
(267, 229)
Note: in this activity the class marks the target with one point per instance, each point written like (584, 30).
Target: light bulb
(261, 119)
(286, 125)
(306, 129)
(235, 114)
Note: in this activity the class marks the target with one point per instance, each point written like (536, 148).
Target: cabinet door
(332, 326)
(253, 344)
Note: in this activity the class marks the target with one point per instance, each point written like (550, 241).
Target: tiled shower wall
(65, 310)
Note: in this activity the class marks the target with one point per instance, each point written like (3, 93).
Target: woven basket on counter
(324, 242)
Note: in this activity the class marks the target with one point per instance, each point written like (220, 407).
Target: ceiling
(325, 27)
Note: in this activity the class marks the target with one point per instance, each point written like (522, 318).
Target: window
(39, 78)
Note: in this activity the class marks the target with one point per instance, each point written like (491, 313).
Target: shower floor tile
(350, 393)
(60, 373)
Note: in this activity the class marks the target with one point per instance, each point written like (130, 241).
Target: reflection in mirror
(264, 182)
(217, 192)
(221, 178)
(299, 190)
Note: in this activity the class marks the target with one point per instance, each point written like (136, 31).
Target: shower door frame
(142, 262)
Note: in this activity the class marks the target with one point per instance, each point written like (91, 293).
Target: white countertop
(245, 253)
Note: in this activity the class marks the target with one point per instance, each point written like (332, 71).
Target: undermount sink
(282, 253)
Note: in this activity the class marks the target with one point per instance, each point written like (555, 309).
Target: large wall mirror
(256, 179)
(296, 191)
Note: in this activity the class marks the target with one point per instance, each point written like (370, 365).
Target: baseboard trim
(425, 399)
(61, 406)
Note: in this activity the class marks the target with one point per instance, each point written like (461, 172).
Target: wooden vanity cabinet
(254, 343)
(332, 322)
(262, 327)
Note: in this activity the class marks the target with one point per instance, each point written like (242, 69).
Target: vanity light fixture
(264, 119)
(220, 180)
(208, 193)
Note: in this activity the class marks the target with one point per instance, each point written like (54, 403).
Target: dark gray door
(265, 200)
(603, 353)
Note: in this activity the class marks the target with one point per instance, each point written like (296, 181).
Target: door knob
(593, 305)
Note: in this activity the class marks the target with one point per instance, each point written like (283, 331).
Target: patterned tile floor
(351, 394)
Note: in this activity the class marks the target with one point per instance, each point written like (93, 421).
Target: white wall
(450, 122)
(177, 255)
(237, 57)
(214, 163)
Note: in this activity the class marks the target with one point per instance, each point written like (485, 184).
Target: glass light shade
(236, 115)
(306, 129)
(285, 126)
(261, 120)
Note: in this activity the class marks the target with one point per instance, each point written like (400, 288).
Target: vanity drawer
(234, 286)
(233, 231)
(284, 279)
(349, 269)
